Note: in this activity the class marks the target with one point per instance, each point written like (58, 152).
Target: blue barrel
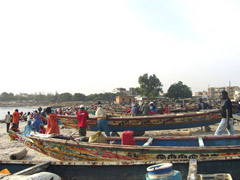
(163, 171)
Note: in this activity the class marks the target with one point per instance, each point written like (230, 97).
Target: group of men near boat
(226, 123)
(37, 125)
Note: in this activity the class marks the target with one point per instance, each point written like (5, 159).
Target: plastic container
(163, 171)
(176, 175)
(127, 138)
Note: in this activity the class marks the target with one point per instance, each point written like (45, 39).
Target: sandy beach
(7, 147)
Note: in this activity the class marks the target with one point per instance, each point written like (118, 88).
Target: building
(124, 91)
(125, 99)
(201, 93)
(215, 92)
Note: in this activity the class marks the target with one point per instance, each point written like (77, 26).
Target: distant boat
(152, 122)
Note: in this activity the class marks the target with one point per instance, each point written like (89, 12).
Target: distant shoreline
(45, 104)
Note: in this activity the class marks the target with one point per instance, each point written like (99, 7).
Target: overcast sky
(95, 46)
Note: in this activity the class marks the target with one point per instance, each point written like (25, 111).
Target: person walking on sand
(82, 116)
(52, 122)
(8, 120)
(16, 116)
(227, 118)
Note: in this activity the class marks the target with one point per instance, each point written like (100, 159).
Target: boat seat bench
(149, 142)
(200, 142)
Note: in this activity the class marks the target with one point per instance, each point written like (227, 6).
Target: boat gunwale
(137, 147)
(160, 116)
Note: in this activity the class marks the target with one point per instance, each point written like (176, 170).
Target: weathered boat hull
(118, 170)
(148, 123)
(164, 148)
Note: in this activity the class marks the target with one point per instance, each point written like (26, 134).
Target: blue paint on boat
(156, 127)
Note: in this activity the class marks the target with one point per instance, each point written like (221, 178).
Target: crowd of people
(37, 119)
(35, 122)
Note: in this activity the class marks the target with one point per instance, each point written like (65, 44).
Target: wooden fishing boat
(117, 114)
(152, 149)
(148, 123)
(108, 170)
(11, 170)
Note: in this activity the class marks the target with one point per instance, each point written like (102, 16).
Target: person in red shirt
(16, 117)
(52, 122)
(82, 116)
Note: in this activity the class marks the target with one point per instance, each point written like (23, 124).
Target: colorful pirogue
(148, 123)
(161, 148)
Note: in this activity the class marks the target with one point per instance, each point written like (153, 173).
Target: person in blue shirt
(135, 110)
(36, 123)
(27, 128)
(153, 107)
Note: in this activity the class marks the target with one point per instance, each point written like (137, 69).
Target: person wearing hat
(227, 118)
(82, 116)
(101, 116)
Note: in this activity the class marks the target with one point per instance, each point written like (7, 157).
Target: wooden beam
(34, 169)
(192, 171)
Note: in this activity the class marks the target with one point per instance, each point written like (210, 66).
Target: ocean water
(24, 109)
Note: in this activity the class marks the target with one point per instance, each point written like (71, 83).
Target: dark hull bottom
(129, 172)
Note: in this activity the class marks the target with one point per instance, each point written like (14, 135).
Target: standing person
(145, 109)
(16, 116)
(29, 117)
(52, 122)
(36, 122)
(60, 111)
(101, 116)
(39, 110)
(82, 116)
(135, 110)
(8, 120)
(153, 108)
(227, 118)
(202, 106)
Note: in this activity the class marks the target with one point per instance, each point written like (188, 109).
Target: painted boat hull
(162, 149)
(117, 170)
(148, 123)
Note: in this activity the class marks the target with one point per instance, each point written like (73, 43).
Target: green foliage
(150, 86)
(179, 90)
(79, 97)
(64, 97)
(5, 96)
(102, 97)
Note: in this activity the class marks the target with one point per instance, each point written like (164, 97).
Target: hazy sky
(94, 46)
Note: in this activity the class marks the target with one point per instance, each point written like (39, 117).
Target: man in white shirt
(101, 116)
(8, 120)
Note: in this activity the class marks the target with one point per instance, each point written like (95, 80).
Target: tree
(150, 86)
(64, 97)
(79, 97)
(179, 90)
(5, 96)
